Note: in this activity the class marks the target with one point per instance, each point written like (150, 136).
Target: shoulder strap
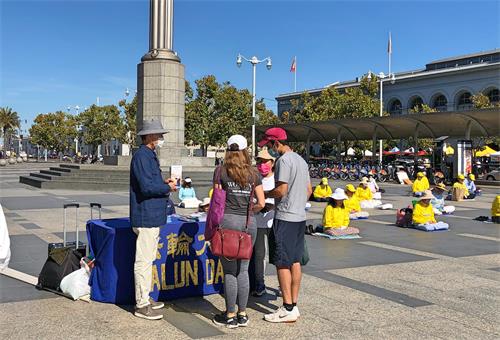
(217, 175)
(250, 206)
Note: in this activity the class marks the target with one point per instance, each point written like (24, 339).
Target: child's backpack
(404, 217)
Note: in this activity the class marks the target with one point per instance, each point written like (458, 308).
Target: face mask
(161, 142)
(264, 168)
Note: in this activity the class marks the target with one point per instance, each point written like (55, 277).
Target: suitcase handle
(92, 205)
(65, 206)
(68, 205)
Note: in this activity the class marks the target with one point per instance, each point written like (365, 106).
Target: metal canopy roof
(485, 122)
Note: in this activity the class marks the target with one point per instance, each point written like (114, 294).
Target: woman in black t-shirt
(238, 178)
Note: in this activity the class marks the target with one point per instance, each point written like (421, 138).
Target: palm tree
(9, 120)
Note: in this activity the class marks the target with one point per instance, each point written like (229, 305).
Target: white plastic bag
(76, 284)
(4, 242)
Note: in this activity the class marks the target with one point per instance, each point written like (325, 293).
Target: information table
(183, 267)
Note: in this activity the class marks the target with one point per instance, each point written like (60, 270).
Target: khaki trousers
(145, 254)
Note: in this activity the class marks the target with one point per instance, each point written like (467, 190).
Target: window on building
(416, 104)
(464, 101)
(440, 103)
(395, 108)
(493, 96)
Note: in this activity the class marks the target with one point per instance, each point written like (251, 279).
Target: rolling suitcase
(63, 258)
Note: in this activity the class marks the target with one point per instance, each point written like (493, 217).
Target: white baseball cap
(238, 140)
(188, 180)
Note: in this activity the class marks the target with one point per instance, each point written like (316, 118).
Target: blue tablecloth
(184, 265)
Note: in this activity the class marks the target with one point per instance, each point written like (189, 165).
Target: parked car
(493, 175)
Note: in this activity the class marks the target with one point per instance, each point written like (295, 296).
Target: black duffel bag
(60, 262)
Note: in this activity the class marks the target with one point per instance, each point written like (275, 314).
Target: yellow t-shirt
(364, 194)
(420, 185)
(352, 204)
(423, 215)
(335, 217)
(459, 185)
(320, 192)
(495, 207)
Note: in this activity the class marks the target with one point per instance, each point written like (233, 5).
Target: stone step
(33, 181)
(40, 175)
(53, 168)
(69, 166)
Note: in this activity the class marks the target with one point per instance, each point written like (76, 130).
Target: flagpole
(295, 76)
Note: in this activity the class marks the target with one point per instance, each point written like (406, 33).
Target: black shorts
(289, 242)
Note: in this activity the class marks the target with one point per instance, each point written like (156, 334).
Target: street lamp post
(381, 77)
(254, 61)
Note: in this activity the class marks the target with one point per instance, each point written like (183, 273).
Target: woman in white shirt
(264, 219)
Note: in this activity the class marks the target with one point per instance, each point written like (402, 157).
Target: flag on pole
(389, 44)
(293, 68)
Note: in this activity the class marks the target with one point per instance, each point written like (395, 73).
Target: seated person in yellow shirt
(322, 192)
(352, 204)
(459, 184)
(365, 195)
(495, 210)
(336, 216)
(423, 214)
(420, 185)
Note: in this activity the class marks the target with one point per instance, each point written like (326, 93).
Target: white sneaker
(282, 315)
(296, 310)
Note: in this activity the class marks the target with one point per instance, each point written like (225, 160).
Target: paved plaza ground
(391, 284)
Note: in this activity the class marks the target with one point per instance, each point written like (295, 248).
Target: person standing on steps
(149, 195)
(293, 189)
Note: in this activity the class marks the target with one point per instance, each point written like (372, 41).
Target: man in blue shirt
(149, 194)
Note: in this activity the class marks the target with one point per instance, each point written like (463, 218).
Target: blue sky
(56, 54)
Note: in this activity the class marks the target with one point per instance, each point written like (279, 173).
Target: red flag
(293, 68)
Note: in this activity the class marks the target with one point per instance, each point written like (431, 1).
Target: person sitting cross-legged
(322, 192)
(437, 202)
(352, 204)
(460, 190)
(336, 216)
(471, 186)
(423, 214)
(420, 185)
(365, 195)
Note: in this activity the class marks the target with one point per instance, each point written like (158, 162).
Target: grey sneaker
(148, 313)
(156, 304)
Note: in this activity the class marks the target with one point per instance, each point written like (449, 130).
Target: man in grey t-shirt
(293, 188)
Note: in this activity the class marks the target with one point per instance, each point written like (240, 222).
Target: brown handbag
(233, 244)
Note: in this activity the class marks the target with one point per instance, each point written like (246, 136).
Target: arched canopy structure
(463, 124)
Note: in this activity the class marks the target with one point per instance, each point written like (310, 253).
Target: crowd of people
(267, 201)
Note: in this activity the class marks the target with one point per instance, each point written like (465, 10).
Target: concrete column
(374, 144)
(339, 146)
(161, 31)
(415, 146)
(308, 146)
(468, 129)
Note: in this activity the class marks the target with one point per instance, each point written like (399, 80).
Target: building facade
(446, 85)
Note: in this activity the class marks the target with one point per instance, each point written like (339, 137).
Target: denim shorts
(289, 240)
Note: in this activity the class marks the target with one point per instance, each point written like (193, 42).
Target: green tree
(101, 125)
(215, 111)
(130, 110)
(54, 131)
(9, 121)
(480, 101)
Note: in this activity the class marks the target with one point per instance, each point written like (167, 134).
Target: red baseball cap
(273, 134)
